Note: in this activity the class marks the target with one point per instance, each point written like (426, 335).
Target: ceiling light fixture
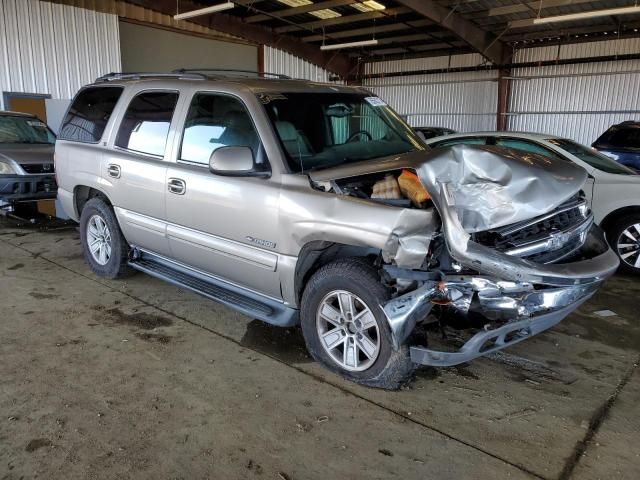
(205, 11)
(325, 14)
(575, 16)
(368, 6)
(337, 46)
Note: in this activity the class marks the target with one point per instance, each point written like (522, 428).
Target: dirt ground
(139, 379)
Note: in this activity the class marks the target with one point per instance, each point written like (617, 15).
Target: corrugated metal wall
(279, 61)
(427, 63)
(586, 50)
(578, 101)
(463, 101)
(54, 49)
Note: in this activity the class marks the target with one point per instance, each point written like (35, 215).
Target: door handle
(177, 186)
(114, 170)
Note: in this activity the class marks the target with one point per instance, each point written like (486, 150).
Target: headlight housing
(6, 169)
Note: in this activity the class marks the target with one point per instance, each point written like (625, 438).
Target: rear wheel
(624, 238)
(105, 249)
(345, 328)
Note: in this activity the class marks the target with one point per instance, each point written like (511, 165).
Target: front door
(226, 226)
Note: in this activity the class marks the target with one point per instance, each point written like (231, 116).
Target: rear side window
(89, 113)
(621, 137)
(145, 125)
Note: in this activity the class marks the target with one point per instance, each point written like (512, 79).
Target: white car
(612, 189)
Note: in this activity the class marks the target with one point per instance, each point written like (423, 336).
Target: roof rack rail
(136, 75)
(232, 70)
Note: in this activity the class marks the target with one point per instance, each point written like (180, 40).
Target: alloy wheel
(99, 239)
(628, 245)
(348, 330)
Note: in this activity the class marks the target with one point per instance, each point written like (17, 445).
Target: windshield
(593, 158)
(320, 130)
(14, 129)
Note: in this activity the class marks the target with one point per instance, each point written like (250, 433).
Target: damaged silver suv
(299, 202)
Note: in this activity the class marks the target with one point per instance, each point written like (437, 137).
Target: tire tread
(399, 368)
(120, 247)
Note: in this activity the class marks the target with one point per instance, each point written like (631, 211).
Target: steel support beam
(481, 41)
(503, 98)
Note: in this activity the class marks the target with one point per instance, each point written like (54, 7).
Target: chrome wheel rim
(348, 331)
(628, 245)
(99, 239)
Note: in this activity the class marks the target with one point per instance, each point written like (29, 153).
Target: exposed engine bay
(396, 188)
(515, 246)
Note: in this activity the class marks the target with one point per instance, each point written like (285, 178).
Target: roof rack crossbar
(232, 70)
(135, 75)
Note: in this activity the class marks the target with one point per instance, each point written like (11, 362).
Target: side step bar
(244, 301)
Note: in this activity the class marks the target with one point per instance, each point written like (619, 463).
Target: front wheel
(345, 328)
(624, 238)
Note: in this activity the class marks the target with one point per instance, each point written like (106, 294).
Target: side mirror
(233, 162)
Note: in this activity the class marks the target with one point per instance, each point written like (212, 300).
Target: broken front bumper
(520, 311)
(522, 297)
(20, 188)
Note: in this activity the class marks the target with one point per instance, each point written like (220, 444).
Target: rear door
(223, 225)
(134, 168)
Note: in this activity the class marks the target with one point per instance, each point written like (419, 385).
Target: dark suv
(622, 143)
(26, 159)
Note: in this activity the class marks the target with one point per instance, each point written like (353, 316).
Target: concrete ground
(139, 379)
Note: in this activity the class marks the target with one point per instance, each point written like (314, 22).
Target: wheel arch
(316, 254)
(611, 217)
(83, 193)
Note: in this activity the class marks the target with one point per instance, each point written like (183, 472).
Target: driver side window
(215, 121)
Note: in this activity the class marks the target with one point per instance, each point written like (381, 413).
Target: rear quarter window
(89, 114)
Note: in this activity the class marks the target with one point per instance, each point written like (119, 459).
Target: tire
(111, 259)
(620, 233)
(356, 280)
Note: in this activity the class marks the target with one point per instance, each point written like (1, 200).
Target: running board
(240, 299)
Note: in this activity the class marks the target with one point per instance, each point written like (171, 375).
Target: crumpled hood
(491, 186)
(27, 153)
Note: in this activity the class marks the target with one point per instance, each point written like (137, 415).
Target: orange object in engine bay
(412, 189)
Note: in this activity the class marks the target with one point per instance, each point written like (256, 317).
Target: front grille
(544, 239)
(38, 167)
